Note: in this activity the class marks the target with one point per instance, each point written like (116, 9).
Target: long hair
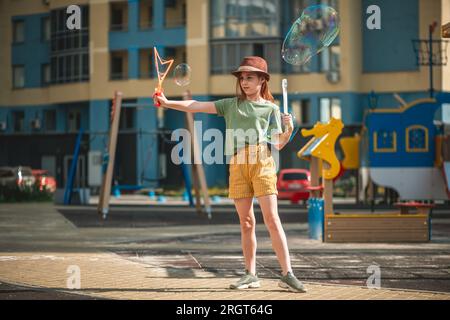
(265, 92)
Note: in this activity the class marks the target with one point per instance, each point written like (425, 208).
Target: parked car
(292, 184)
(44, 180)
(16, 176)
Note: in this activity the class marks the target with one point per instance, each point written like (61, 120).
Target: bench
(407, 207)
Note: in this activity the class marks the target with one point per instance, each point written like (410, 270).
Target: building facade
(56, 82)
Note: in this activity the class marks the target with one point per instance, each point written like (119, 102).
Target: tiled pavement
(107, 275)
(38, 250)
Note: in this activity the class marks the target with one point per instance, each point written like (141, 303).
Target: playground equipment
(329, 226)
(199, 178)
(404, 150)
(108, 158)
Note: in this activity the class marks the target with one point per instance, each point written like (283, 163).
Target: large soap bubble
(315, 30)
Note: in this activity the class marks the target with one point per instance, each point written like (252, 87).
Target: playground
(280, 144)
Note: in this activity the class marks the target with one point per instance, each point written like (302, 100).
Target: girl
(252, 168)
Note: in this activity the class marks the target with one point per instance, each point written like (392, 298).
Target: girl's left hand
(287, 121)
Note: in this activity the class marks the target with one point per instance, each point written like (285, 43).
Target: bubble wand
(161, 76)
(284, 85)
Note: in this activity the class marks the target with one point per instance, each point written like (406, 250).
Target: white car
(16, 176)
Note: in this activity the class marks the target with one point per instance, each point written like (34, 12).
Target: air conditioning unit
(334, 76)
(2, 125)
(36, 124)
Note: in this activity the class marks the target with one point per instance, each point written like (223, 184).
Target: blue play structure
(402, 149)
(73, 169)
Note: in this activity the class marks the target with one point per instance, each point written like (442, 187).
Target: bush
(24, 194)
(345, 187)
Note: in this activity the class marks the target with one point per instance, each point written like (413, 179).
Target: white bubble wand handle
(284, 85)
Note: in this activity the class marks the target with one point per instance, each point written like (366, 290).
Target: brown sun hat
(253, 64)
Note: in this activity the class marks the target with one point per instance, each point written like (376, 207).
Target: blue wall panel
(390, 49)
(33, 52)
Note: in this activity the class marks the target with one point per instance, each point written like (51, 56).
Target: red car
(292, 184)
(44, 180)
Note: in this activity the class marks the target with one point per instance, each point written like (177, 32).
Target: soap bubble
(182, 74)
(315, 30)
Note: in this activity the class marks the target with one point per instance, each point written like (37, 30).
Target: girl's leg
(269, 208)
(247, 220)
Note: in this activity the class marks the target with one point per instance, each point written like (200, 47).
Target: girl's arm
(191, 106)
(284, 137)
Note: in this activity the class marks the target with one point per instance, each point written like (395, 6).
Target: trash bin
(315, 218)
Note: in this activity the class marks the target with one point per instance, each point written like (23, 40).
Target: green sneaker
(289, 281)
(248, 280)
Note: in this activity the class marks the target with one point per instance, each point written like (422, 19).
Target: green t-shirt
(248, 122)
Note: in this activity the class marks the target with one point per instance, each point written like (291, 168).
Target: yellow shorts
(252, 173)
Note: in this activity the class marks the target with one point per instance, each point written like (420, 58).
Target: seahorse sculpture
(322, 145)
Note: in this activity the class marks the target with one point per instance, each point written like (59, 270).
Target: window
(237, 19)
(116, 19)
(85, 67)
(18, 121)
(417, 139)
(300, 110)
(69, 48)
(296, 8)
(330, 59)
(330, 108)
(18, 31)
(50, 120)
(127, 114)
(18, 76)
(45, 29)
(119, 13)
(244, 28)
(306, 104)
(74, 121)
(118, 65)
(179, 55)
(146, 14)
(45, 74)
(6, 173)
(146, 63)
(446, 113)
(295, 176)
(127, 117)
(385, 141)
(175, 15)
(226, 55)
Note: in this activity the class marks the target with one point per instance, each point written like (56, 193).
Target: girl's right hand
(160, 98)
